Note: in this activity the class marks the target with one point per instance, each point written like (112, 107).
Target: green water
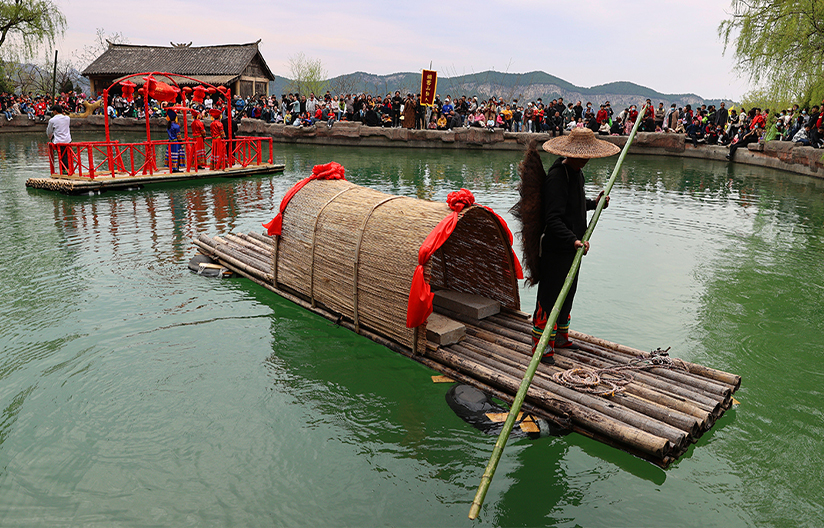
(134, 393)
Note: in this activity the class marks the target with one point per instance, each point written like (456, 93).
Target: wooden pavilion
(239, 67)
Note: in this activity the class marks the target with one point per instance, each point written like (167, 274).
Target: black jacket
(564, 208)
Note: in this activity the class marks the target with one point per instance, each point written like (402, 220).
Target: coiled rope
(613, 380)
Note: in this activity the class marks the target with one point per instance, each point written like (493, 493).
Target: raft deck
(83, 184)
(655, 417)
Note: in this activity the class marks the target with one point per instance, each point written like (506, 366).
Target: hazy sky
(669, 46)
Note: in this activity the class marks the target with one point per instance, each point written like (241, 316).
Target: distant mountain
(522, 86)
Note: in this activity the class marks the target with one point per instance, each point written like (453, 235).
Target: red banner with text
(429, 84)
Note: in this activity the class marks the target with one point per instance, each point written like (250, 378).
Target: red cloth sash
(419, 307)
(330, 171)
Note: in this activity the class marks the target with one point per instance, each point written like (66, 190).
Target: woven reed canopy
(354, 250)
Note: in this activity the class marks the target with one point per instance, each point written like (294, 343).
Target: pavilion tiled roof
(228, 60)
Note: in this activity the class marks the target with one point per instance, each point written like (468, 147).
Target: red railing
(91, 159)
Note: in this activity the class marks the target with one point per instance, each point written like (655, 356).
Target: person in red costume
(199, 133)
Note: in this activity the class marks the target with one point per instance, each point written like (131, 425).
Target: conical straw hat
(581, 143)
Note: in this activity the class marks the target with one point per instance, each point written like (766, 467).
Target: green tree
(779, 45)
(307, 76)
(26, 24)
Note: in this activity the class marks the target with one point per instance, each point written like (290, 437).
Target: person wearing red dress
(218, 148)
(199, 133)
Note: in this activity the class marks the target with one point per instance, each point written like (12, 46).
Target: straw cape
(581, 143)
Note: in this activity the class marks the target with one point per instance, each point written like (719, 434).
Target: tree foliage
(98, 46)
(779, 45)
(26, 24)
(307, 75)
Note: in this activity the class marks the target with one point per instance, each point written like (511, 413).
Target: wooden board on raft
(656, 417)
(73, 184)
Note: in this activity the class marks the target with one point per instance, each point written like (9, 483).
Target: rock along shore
(780, 155)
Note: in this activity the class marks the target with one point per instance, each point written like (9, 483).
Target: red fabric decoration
(419, 307)
(128, 90)
(199, 93)
(160, 90)
(330, 171)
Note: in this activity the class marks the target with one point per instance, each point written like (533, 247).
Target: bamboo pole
(651, 444)
(486, 479)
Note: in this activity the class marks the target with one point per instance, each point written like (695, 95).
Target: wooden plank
(442, 379)
(444, 331)
(473, 306)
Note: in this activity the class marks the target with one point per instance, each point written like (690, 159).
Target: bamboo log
(266, 249)
(699, 400)
(686, 422)
(486, 325)
(262, 262)
(250, 261)
(519, 325)
(264, 239)
(652, 445)
(677, 403)
(519, 320)
(223, 255)
(705, 386)
(250, 246)
(704, 403)
(677, 436)
(733, 380)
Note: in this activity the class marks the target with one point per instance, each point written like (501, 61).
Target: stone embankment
(778, 155)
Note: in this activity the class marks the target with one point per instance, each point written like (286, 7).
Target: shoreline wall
(779, 155)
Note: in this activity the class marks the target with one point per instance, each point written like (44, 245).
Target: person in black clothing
(397, 101)
(235, 122)
(552, 210)
(579, 111)
(695, 131)
(370, 118)
(750, 137)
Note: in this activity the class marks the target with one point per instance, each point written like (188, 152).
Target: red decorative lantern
(210, 90)
(160, 90)
(128, 90)
(187, 90)
(223, 90)
(198, 94)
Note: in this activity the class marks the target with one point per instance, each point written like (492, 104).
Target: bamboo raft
(657, 417)
(83, 185)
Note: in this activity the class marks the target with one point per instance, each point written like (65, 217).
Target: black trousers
(744, 142)
(554, 270)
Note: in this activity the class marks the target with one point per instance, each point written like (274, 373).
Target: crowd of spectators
(33, 107)
(703, 125)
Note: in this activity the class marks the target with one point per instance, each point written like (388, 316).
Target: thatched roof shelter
(355, 250)
(239, 67)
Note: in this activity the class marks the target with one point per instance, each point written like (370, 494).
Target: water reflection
(118, 365)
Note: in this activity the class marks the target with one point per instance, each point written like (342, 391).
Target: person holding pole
(553, 213)
(59, 132)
